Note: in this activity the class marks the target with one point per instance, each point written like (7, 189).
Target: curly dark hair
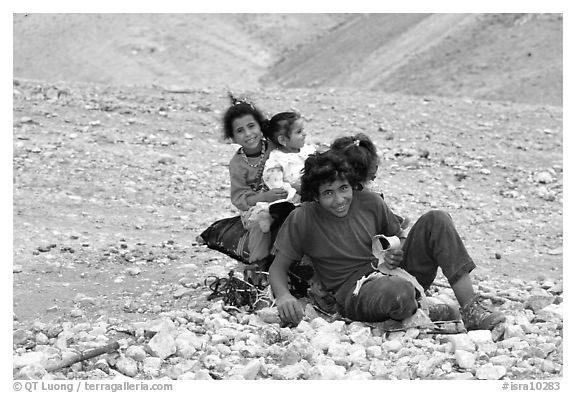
(360, 152)
(239, 108)
(322, 168)
(280, 124)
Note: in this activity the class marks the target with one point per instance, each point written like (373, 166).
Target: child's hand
(393, 258)
(274, 194)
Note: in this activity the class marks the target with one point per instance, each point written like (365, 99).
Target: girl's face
(247, 133)
(297, 138)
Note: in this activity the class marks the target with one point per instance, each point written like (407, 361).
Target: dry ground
(113, 184)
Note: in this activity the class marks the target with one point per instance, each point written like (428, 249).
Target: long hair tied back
(239, 101)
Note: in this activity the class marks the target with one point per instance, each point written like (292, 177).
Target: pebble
(327, 372)
(127, 366)
(464, 359)
(461, 341)
(490, 372)
(136, 352)
(162, 344)
(211, 343)
(392, 346)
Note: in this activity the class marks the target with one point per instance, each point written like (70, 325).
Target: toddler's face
(297, 137)
(247, 133)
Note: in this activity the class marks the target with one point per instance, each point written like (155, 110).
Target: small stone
(513, 331)
(502, 360)
(20, 336)
(211, 361)
(182, 292)
(392, 345)
(251, 370)
(537, 302)
(269, 315)
(322, 341)
(31, 371)
(136, 352)
(41, 339)
(162, 344)
(374, 351)
(361, 336)
(379, 368)
(464, 359)
(127, 366)
(133, 271)
(291, 372)
(16, 268)
(459, 376)
(557, 288)
(490, 372)
(544, 177)
(550, 312)
(151, 366)
(462, 341)
(478, 336)
(327, 372)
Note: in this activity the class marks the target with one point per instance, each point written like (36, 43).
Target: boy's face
(247, 133)
(336, 197)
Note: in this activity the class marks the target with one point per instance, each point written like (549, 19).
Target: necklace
(262, 150)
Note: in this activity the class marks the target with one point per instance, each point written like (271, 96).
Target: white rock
(502, 360)
(478, 336)
(490, 372)
(218, 339)
(459, 376)
(374, 351)
(203, 375)
(488, 347)
(304, 326)
(513, 331)
(392, 345)
(360, 335)
(358, 375)
(269, 315)
(337, 327)
(151, 366)
(552, 311)
(322, 341)
(338, 349)
(427, 366)
(251, 370)
(461, 341)
(464, 359)
(31, 371)
(127, 366)
(27, 358)
(136, 352)
(292, 372)
(380, 368)
(411, 333)
(544, 177)
(319, 323)
(322, 372)
(358, 356)
(162, 344)
(211, 361)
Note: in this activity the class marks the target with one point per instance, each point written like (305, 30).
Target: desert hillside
(511, 57)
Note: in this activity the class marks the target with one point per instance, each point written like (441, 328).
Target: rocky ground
(112, 186)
